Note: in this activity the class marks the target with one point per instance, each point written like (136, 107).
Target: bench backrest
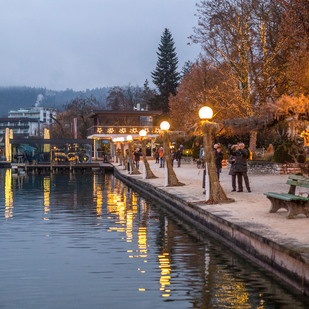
(299, 181)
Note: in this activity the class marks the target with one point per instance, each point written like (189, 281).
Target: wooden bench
(294, 204)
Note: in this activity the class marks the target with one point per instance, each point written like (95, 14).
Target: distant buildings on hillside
(27, 122)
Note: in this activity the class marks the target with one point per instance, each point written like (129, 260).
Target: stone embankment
(270, 240)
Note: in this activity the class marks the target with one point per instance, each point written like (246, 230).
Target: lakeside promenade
(249, 212)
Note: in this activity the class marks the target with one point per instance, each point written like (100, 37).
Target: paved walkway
(250, 210)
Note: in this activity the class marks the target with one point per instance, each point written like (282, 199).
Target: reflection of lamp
(170, 176)
(213, 190)
(147, 172)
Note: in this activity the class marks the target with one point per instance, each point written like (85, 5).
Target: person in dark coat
(232, 172)
(137, 156)
(240, 168)
(179, 156)
(173, 155)
(156, 154)
(218, 159)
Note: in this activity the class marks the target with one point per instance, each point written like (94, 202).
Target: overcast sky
(82, 44)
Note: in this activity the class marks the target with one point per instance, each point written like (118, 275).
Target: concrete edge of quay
(287, 264)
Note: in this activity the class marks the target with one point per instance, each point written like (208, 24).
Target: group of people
(238, 162)
(159, 155)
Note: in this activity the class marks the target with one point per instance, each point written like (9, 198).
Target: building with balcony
(21, 127)
(43, 114)
(109, 126)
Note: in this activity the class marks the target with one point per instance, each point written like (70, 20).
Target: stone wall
(264, 167)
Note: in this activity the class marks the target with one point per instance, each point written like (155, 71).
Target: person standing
(241, 156)
(218, 159)
(156, 154)
(161, 157)
(137, 156)
(179, 156)
(231, 160)
(172, 156)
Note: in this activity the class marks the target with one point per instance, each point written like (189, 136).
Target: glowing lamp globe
(129, 138)
(205, 112)
(142, 133)
(121, 139)
(164, 125)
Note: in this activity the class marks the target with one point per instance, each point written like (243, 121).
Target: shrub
(290, 152)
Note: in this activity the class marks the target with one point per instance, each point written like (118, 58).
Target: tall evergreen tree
(165, 75)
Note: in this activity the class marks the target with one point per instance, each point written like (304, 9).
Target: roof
(17, 119)
(52, 141)
(123, 113)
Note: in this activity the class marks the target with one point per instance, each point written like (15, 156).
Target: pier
(61, 167)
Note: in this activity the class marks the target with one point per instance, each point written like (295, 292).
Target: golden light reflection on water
(230, 291)
(46, 184)
(98, 196)
(8, 194)
(165, 274)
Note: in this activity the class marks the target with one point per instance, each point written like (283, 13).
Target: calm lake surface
(89, 241)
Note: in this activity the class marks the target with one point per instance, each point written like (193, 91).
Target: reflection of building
(109, 125)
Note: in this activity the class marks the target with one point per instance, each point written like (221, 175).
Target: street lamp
(170, 176)
(133, 170)
(213, 189)
(147, 172)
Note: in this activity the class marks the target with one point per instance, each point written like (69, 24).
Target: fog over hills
(12, 98)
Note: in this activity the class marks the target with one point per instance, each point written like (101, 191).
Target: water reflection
(106, 246)
(8, 194)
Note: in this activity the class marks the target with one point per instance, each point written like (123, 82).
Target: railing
(122, 130)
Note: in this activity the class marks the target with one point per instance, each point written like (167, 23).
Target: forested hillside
(15, 97)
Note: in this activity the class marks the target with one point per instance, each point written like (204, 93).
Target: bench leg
(276, 204)
(296, 208)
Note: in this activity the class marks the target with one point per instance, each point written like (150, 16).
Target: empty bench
(294, 204)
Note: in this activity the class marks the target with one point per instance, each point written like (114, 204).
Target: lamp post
(133, 170)
(147, 172)
(170, 176)
(213, 189)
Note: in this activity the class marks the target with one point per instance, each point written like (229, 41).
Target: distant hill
(12, 98)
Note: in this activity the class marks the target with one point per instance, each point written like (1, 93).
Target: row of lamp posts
(213, 189)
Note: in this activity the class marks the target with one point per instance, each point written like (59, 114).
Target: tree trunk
(252, 146)
(135, 171)
(216, 194)
(172, 179)
(149, 173)
(123, 157)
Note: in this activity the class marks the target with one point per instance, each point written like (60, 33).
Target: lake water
(89, 241)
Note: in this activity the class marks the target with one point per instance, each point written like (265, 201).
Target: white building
(22, 127)
(39, 113)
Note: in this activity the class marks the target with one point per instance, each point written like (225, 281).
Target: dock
(63, 167)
